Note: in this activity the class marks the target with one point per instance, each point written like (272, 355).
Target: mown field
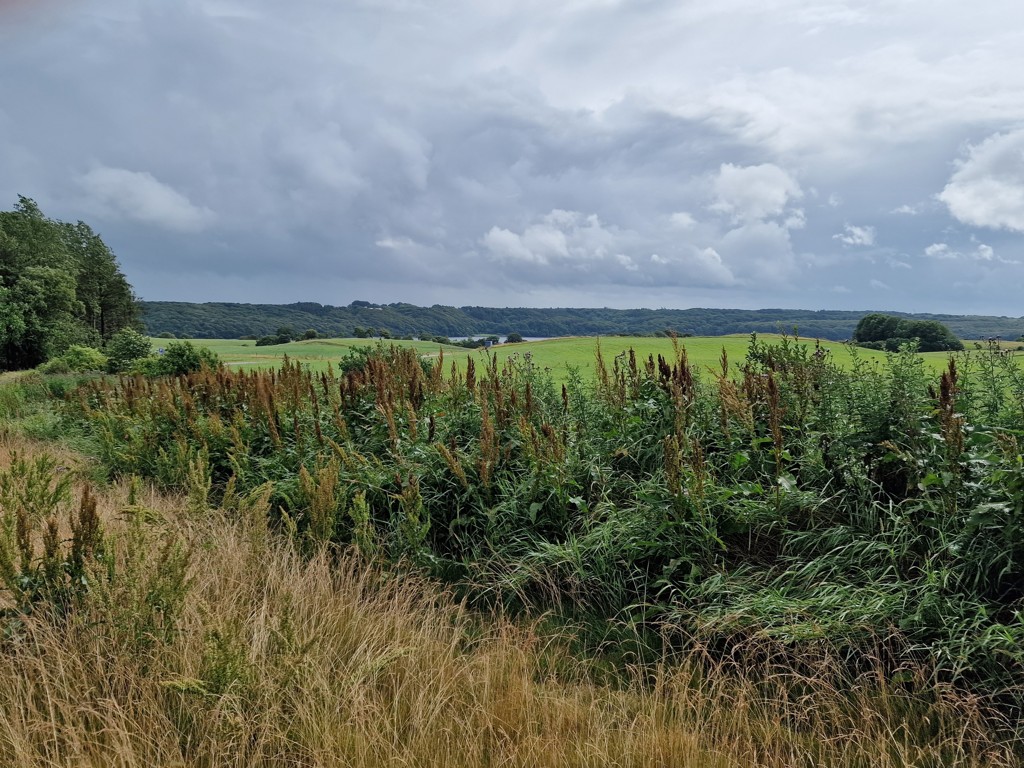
(557, 355)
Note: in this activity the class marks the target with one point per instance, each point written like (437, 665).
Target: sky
(816, 154)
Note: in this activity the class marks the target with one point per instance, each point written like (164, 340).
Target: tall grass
(785, 500)
(275, 656)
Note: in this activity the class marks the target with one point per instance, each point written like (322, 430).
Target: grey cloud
(139, 196)
(732, 154)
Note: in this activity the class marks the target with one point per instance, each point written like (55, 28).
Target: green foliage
(889, 332)
(779, 498)
(126, 346)
(356, 358)
(76, 359)
(362, 319)
(513, 338)
(181, 358)
(59, 286)
(37, 570)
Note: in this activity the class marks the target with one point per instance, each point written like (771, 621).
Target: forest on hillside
(230, 320)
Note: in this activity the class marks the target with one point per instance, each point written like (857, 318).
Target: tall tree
(38, 280)
(59, 285)
(108, 303)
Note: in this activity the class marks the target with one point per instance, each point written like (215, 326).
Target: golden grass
(284, 660)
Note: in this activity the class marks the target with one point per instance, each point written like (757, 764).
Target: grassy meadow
(557, 355)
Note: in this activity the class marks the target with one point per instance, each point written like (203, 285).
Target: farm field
(558, 355)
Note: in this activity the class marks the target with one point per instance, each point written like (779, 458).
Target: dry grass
(281, 660)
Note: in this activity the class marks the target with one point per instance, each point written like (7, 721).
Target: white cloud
(626, 262)
(908, 210)
(987, 189)
(506, 245)
(879, 285)
(940, 251)
(560, 236)
(394, 243)
(683, 220)
(854, 235)
(753, 193)
(139, 196)
(981, 252)
(710, 263)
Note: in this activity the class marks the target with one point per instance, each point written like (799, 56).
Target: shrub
(124, 348)
(181, 358)
(55, 367)
(271, 341)
(166, 335)
(146, 366)
(356, 359)
(82, 359)
(892, 332)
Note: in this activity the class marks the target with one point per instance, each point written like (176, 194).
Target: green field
(558, 355)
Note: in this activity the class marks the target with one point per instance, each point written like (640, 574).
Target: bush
(166, 335)
(147, 366)
(357, 358)
(892, 332)
(55, 367)
(181, 358)
(178, 359)
(310, 334)
(83, 359)
(76, 359)
(124, 348)
(271, 341)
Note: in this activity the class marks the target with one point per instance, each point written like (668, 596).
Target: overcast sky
(820, 154)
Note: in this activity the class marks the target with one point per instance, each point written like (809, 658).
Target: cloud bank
(584, 153)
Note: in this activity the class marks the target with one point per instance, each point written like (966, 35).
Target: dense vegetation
(140, 630)
(222, 320)
(60, 286)
(875, 512)
(890, 332)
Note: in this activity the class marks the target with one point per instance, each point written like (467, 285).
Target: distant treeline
(226, 321)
